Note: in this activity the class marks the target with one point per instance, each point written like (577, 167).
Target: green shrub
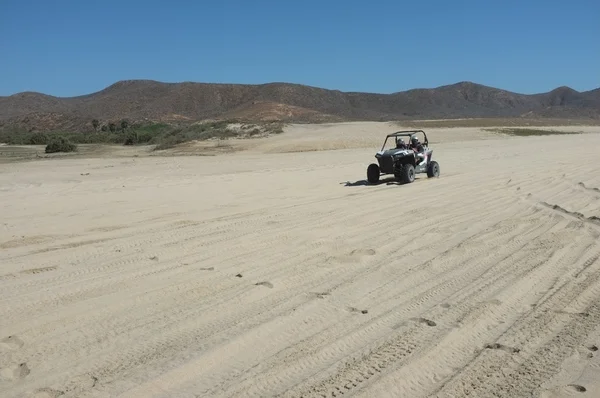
(60, 144)
(38, 139)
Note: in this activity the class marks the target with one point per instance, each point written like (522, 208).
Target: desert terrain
(268, 267)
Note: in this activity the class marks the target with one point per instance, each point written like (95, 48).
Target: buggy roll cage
(405, 133)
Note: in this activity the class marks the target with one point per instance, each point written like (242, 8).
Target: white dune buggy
(405, 159)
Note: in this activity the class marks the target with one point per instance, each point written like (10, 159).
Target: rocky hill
(147, 100)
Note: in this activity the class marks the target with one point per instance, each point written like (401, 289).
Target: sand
(274, 270)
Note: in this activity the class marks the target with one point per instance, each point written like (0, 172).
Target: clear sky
(74, 47)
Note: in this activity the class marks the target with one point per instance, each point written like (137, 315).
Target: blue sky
(74, 47)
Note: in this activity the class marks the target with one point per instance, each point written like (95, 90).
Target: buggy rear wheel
(433, 169)
(373, 173)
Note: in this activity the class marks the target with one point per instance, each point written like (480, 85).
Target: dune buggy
(405, 159)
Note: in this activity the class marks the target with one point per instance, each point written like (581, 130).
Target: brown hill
(139, 100)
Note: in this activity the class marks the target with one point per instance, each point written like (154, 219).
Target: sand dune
(274, 272)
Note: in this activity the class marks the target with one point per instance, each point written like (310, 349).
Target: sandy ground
(277, 271)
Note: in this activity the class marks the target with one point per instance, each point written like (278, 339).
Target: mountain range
(149, 100)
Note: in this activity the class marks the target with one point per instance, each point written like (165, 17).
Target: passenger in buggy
(418, 148)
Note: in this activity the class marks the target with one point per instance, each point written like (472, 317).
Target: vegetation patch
(526, 132)
(162, 135)
(221, 130)
(60, 144)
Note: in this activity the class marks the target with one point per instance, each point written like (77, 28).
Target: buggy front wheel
(433, 169)
(407, 173)
(373, 173)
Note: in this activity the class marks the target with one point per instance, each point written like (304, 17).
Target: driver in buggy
(400, 144)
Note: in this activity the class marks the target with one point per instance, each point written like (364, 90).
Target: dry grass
(496, 122)
(528, 132)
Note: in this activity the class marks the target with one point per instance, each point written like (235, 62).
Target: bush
(60, 144)
(136, 137)
(38, 139)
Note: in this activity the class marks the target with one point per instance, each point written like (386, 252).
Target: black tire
(373, 173)
(407, 174)
(433, 169)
